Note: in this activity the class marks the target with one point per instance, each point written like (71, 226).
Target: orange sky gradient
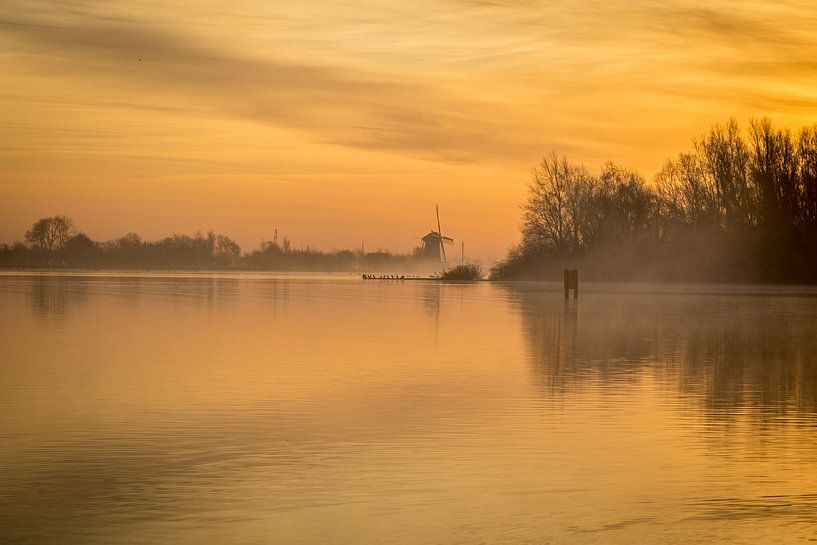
(341, 123)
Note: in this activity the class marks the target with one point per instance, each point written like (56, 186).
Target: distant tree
(46, 240)
(225, 246)
(16, 255)
(227, 251)
(50, 235)
(81, 251)
(131, 240)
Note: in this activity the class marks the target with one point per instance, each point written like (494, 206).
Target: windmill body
(432, 247)
(434, 242)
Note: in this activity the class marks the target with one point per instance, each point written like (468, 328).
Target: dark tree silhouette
(80, 251)
(735, 208)
(50, 235)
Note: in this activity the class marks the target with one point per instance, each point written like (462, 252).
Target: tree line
(737, 207)
(56, 242)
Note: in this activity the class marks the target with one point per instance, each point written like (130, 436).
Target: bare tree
(725, 157)
(688, 191)
(50, 235)
(775, 172)
(65, 229)
(552, 214)
(625, 205)
(807, 165)
(226, 250)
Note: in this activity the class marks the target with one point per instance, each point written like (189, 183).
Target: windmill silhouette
(434, 242)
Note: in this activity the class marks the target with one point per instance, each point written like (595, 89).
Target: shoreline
(555, 283)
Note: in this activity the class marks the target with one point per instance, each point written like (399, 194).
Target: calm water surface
(256, 409)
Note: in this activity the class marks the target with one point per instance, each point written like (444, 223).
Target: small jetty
(397, 277)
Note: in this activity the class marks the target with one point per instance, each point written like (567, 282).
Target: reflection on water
(51, 298)
(325, 409)
(751, 353)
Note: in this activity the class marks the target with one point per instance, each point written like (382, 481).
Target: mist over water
(252, 408)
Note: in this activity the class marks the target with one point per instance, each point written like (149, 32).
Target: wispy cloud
(453, 80)
(337, 105)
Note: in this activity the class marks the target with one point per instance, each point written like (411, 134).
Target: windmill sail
(440, 232)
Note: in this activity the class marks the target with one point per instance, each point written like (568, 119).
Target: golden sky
(345, 122)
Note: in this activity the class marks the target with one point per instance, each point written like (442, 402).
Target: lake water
(264, 409)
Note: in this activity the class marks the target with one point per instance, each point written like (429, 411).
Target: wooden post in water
(571, 283)
(567, 284)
